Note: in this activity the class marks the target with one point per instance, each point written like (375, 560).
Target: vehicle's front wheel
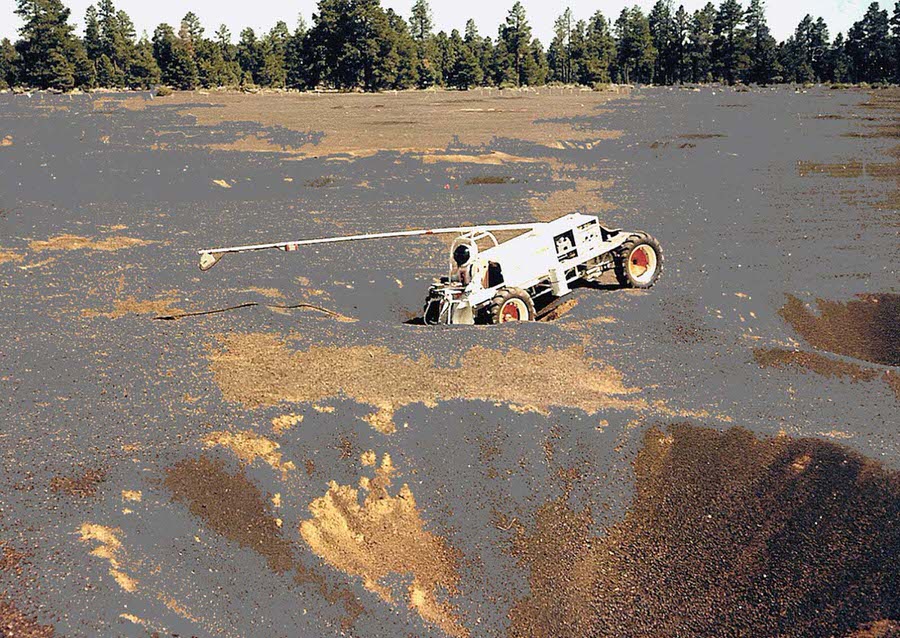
(510, 304)
(639, 261)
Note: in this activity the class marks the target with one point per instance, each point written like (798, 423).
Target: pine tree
(636, 54)
(250, 54)
(442, 56)
(763, 48)
(729, 52)
(48, 50)
(536, 69)
(502, 70)
(805, 55)
(421, 24)
(296, 58)
(144, 71)
(599, 52)
(516, 35)
(662, 32)
(700, 46)
(407, 52)
(273, 47)
(467, 69)
(116, 44)
(578, 54)
(192, 30)
(176, 65)
(427, 64)
(84, 73)
(870, 47)
(682, 48)
(486, 61)
(9, 60)
(481, 49)
(792, 58)
(451, 61)
(355, 45)
(895, 40)
(838, 60)
(559, 55)
(92, 42)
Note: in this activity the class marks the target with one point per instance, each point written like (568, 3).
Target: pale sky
(448, 14)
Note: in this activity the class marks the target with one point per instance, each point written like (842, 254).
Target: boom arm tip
(208, 260)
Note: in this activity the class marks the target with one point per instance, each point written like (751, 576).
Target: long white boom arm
(209, 258)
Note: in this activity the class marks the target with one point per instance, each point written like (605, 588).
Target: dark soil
(83, 485)
(866, 328)
(766, 537)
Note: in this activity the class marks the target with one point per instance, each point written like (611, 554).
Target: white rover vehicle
(492, 282)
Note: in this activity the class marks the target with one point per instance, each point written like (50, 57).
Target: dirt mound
(261, 370)
(866, 328)
(727, 535)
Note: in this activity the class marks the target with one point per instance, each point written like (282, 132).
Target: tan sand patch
(285, 422)
(383, 419)
(252, 144)
(109, 547)
(9, 256)
(261, 370)
(561, 310)
(132, 306)
(358, 125)
(368, 458)
(76, 242)
(382, 536)
(272, 293)
(248, 447)
(585, 196)
(494, 158)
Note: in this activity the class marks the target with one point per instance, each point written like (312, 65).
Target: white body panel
(546, 258)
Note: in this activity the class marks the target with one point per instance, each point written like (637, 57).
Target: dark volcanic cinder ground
(717, 456)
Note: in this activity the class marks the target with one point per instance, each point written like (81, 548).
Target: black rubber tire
(623, 255)
(492, 313)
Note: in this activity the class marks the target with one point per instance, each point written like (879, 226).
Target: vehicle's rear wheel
(510, 304)
(639, 261)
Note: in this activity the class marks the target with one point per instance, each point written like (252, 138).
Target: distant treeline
(357, 44)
